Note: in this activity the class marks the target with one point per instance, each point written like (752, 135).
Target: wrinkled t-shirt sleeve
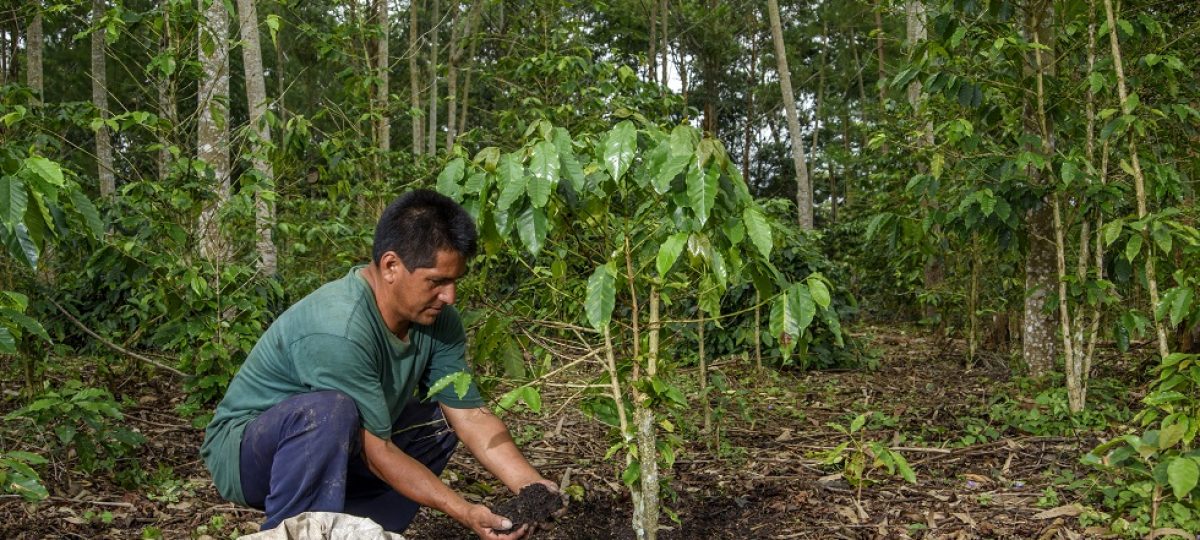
(450, 357)
(328, 362)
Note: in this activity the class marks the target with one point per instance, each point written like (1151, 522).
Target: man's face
(420, 295)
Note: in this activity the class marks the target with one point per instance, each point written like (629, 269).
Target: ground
(760, 475)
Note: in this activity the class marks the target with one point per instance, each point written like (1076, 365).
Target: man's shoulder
(331, 309)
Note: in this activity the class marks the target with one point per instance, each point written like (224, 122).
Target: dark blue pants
(305, 454)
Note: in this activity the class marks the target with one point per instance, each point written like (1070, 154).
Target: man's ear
(390, 266)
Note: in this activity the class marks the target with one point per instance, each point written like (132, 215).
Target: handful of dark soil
(534, 504)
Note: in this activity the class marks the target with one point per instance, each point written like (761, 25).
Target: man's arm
(487, 438)
(413, 480)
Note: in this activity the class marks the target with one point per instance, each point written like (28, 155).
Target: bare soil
(758, 474)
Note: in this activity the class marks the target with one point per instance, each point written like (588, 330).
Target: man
(325, 414)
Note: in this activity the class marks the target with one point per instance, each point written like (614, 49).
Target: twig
(114, 346)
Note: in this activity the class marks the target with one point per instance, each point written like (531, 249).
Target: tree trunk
(1139, 180)
(212, 130)
(652, 54)
(414, 80)
(104, 154)
(803, 186)
(664, 11)
(166, 98)
(256, 103)
(33, 51)
(751, 80)
(463, 29)
(431, 144)
(879, 53)
(383, 125)
(1038, 346)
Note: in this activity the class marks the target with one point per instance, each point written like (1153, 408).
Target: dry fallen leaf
(1072, 509)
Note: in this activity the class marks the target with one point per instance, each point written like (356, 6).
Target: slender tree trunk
(879, 53)
(751, 80)
(383, 123)
(973, 302)
(1139, 180)
(703, 373)
(664, 11)
(414, 80)
(33, 51)
(104, 154)
(212, 130)
(432, 122)
(256, 103)
(1038, 345)
(803, 186)
(280, 82)
(463, 29)
(166, 97)
(652, 54)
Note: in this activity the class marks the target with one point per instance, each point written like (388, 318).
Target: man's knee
(333, 411)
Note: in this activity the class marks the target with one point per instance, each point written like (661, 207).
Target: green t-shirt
(335, 339)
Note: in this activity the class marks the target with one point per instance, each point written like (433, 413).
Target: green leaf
(532, 228)
(85, 208)
(570, 164)
(858, 422)
(906, 471)
(512, 359)
(13, 200)
(29, 324)
(22, 247)
(702, 191)
(1181, 304)
(512, 180)
(601, 295)
(819, 292)
(804, 306)
(1133, 247)
(461, 381)
(1162, 238)
(8, 343)
(759, 230)
(669, 252)
(1112, 231)
(1182, 474)
(618, 149)
(450, 178)
(543, 167)
(49, 171)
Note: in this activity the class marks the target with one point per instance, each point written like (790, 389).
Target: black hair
(420, 223)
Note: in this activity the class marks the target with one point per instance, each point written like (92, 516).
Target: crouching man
(326, 413)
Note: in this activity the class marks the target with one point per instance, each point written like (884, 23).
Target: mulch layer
(758, 473)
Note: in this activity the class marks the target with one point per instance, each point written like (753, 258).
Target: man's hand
(485, 524)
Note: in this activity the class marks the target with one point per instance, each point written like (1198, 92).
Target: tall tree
(804, 196)
(166, 97)
(33, 52)
(260, 144)
(1139, 179)
(212, 130)
(1038, 345)
(383, 132)
(104, 154)
(414, 79)
(432, 120)
(917, 33)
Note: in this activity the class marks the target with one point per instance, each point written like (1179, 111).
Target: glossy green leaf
(702, 191)
(448, 182)
(13, 200)
(91, 217)
(819, 292)
(8, 343)
(601, 296)
(512, 182)
(461, 381)
(1112, 231)
(759, 230)
(669, 252)
(532, 228)
(1180, 304)
(1133, 247)
(1162, 238)
(571, 169)
(1183, 474)
(543, 170)
(858, 422)
(619, 145)
(49, 171)
(27, 323)
(22, 247)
